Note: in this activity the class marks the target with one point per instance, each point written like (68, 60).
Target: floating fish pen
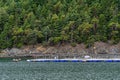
(74, 60)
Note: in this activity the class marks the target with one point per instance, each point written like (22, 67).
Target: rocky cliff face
(98, 48)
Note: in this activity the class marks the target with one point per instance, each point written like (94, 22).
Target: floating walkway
(74, 60)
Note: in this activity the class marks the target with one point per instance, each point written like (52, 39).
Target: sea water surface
(59, 71)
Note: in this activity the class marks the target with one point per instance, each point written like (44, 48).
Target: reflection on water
(59, 71)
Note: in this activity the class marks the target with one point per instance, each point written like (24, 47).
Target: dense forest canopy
(26, 22)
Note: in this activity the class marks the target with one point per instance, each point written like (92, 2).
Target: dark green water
(59, 71)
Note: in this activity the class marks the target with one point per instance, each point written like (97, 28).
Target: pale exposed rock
(98, 48)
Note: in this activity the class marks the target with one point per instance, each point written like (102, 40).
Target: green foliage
(28, 22)
(73, 44)
(54, 40)
(44, 43)
(19, 45)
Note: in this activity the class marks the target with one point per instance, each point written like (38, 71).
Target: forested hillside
(29, 22)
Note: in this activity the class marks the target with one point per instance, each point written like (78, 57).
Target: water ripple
(59, 71)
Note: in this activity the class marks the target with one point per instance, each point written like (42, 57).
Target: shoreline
(56, 56)
(63, 55)
(99, 50)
